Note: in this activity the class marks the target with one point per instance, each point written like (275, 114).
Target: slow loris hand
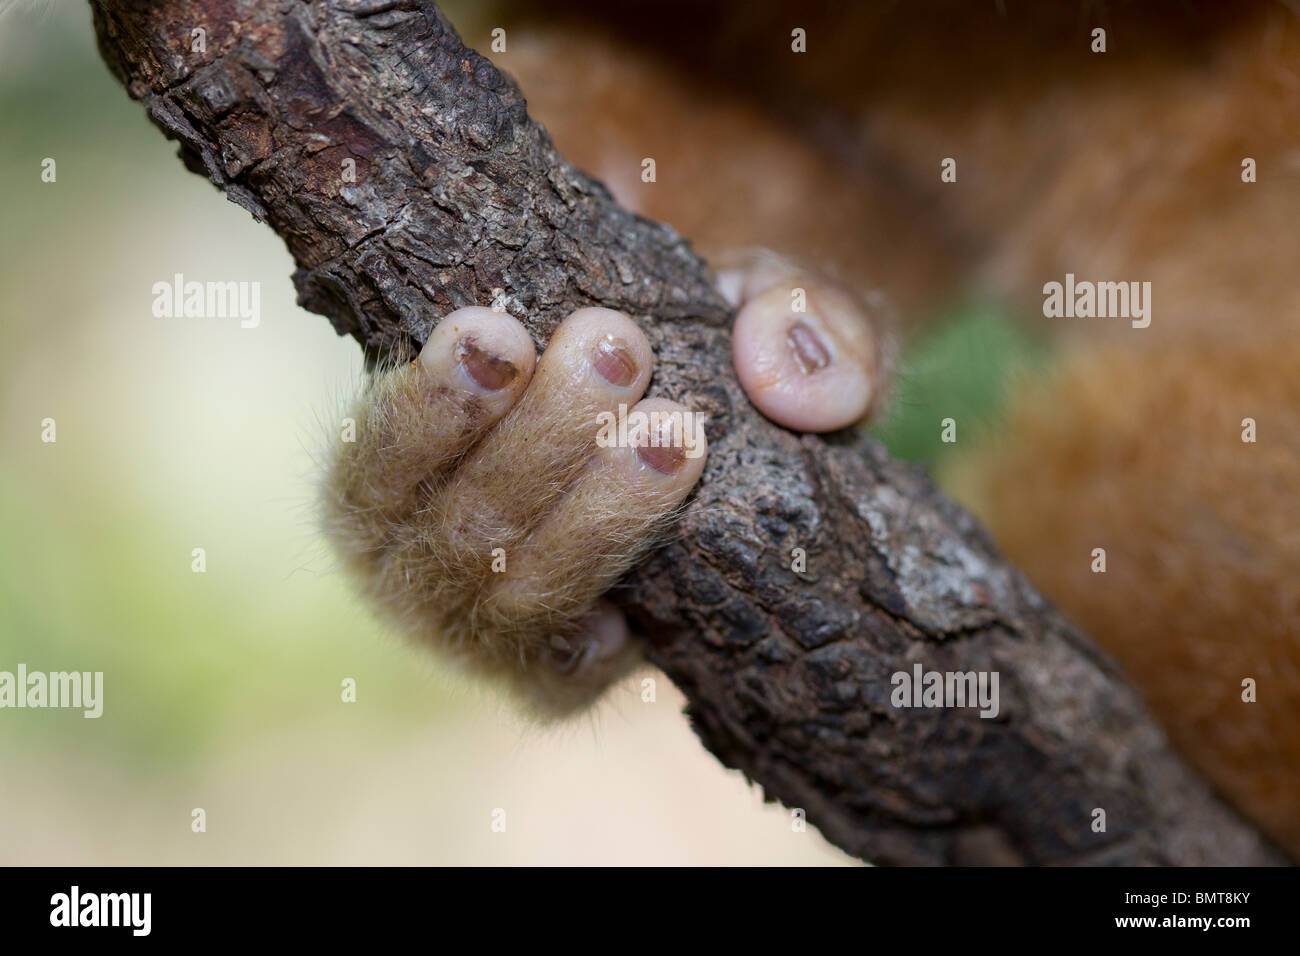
(483, 508)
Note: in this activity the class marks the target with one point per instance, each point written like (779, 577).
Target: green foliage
(959, 370)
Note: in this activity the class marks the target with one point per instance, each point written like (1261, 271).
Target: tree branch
(457, 194)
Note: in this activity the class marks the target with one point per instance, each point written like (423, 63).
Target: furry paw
(490, 497)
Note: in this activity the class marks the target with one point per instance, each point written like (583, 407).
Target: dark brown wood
(457, 194)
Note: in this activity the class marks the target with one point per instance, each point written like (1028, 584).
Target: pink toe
(810, 371)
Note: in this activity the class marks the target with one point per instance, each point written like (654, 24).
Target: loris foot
(486, 503)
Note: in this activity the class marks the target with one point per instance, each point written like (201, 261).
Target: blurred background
(222, 690)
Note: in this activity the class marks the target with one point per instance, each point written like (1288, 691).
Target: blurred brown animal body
(1115, 166)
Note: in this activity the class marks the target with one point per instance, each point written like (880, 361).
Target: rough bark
(457, 194)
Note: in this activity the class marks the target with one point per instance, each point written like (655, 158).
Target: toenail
(614, 363)
(487, 370)
(665, 456)
(808, 347)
